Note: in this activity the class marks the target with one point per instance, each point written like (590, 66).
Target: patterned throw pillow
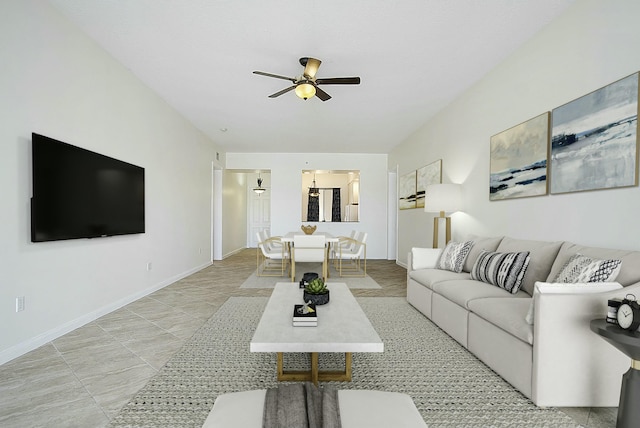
(581, 268)
(454, 255)
(505, 270)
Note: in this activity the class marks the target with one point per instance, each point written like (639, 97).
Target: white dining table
(288, 238)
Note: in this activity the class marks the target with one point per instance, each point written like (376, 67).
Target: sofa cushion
(505, 270)
(428, 277)
(463, 291)
(508, 314)
(542, 255)
(479, 244)
(454, 256)
(581, 268)
(629, 272)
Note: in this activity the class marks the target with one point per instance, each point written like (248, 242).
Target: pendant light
(313, 190)
(259, 190)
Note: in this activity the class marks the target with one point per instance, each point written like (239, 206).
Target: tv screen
(81, 194)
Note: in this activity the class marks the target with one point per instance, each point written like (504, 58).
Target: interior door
(259, 215)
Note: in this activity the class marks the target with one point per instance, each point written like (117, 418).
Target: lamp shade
(305, 90)
(443, 197)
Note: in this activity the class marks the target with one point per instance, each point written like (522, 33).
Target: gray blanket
(301, 406)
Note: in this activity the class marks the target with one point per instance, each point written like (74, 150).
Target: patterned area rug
(450, 387)
(255, 281)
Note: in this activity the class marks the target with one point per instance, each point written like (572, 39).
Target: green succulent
(316, 286)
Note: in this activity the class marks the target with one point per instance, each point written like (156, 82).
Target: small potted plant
(316, 291)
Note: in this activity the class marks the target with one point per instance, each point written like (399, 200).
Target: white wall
(592, 44)
(57, 82)
(286, 191)
(234, 212)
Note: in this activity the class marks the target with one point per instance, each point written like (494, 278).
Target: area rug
(450, 387)
(255, 281)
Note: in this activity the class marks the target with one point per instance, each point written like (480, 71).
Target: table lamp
(442, 198)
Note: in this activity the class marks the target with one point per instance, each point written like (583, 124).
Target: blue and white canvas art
(594, 139)
(407, 191)
(519, 160)
(430, 174)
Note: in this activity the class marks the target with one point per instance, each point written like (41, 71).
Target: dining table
(288, 238)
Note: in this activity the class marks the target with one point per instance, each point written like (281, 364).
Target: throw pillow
(425, 258)
(581, 268)
(505, 270)
(454, 255)
(568, 288)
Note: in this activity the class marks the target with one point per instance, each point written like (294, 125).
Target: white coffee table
(342, 327)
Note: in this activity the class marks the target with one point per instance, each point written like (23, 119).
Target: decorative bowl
(317, 299)
(308, 230)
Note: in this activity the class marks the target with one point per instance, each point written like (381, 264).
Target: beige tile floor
(83, 378)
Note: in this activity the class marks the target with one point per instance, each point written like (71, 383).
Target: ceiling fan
(306, 85)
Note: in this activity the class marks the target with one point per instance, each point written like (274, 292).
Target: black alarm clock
(629, 313)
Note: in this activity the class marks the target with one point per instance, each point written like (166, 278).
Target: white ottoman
(358, 408)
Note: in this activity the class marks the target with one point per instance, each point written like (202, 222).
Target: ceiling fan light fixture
(305, 90)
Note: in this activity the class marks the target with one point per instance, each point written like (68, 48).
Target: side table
(629, 343)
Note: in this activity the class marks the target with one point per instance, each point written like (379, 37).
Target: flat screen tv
(82, 194)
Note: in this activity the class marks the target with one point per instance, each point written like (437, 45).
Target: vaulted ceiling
(413, 56)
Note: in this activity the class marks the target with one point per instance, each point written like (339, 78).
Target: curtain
(335, 206)
(313, 208)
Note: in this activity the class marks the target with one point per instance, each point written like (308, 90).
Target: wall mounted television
(82, 194)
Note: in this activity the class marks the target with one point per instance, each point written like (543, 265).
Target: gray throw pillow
(505, 270)
(454, 255)
(581, 268)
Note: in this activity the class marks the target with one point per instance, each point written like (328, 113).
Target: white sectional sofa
(557, 360)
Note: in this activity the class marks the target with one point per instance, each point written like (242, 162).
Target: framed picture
(519, 160)
(430, 174)
(594, 139)
(407, 191)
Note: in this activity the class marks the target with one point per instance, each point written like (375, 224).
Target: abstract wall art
(429, 174)
(594, 139)
(407, 191)
(519, 160)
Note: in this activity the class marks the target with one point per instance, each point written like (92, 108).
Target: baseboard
(231, 253)
(48, 336)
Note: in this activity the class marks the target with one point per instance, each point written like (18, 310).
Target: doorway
(259, 206)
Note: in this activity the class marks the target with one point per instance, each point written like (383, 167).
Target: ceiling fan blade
(311, 67)
(322, 94)
(277, 76)
(284, 91)
(339, 81)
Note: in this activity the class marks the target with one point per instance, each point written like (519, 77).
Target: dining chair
(270, 259)
(344, 242)
(356, 256)
(309, 248)
(273, 244)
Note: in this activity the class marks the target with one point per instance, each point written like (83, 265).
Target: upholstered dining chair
(355, 256)
(309, 248)
(345, 242)
(271, 259)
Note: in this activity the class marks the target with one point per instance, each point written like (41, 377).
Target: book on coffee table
(308, 319)
(305, 323)
(311, 315)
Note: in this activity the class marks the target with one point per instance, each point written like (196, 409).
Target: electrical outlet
(149, 266)
(20, 304)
